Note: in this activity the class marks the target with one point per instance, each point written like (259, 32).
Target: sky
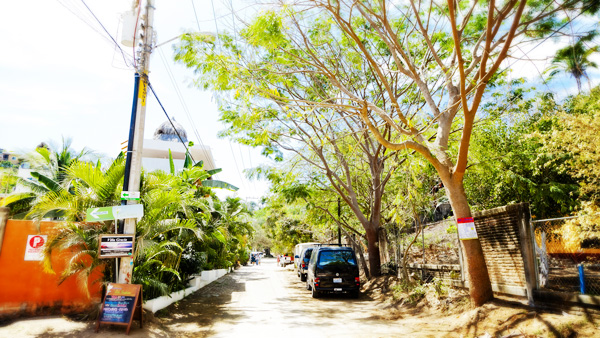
(61, 76)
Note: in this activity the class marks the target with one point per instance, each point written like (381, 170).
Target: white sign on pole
(128, 211)
(34, 249)
(466, 228)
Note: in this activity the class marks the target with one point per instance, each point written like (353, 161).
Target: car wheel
(354, 294)
(315, 293)
(302, 277)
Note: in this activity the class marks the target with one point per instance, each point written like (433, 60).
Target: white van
(298, 250)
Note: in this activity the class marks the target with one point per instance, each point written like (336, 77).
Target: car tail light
(357, 280)
(317, 280)
(303, 265)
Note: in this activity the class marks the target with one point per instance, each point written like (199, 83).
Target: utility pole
(133, 164)
(339, 222)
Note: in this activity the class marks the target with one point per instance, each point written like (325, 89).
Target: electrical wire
(235, 40)
(230, 146)
(186, 109)
(196, 15)
(171, 122)
(236, 166)
(105, 30)
(137, 19)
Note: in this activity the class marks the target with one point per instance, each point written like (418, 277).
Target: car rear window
(336, 258)
(307, 254)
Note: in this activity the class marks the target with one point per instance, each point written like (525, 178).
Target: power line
(101, 25)
(236, 166)
(170, 121)
(235, 40)
(196, 15)
(186, 109)
(229, 141)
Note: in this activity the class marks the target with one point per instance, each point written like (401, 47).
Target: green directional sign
(99, 214)
(116, 212)
(130, 195)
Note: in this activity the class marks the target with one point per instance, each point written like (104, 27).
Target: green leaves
(219, 184)
(266, 30)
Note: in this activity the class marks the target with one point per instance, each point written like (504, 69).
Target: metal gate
(568, 254)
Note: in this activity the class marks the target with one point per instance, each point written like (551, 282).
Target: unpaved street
(254, 301)
(268, 301)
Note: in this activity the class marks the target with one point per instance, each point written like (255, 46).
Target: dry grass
(502, 317)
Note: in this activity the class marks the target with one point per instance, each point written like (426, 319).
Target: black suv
(333, 269)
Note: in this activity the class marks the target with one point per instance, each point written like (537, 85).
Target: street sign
(116, 212)
(130, 195)
(99, 214)
(128, 211)
(34, 249)
(112, 246)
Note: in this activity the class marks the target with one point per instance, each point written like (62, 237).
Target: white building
(155, 154)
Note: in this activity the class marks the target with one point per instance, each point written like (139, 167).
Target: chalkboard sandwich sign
(122, 304)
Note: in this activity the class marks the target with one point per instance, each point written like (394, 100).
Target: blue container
(581, 279)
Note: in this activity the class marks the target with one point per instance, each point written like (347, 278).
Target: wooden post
(4, 214)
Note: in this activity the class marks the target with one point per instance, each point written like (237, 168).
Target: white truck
(298, 250)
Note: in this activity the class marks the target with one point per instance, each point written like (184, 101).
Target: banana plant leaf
(214, 171)
(48, 182)
(219, 184)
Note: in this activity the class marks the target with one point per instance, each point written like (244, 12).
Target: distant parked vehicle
(333, 269)
(303, 263)
(286, 260)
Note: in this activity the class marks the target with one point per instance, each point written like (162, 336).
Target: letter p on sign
(36, 242)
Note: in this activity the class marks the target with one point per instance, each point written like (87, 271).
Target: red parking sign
(34, 250)
(36, 242)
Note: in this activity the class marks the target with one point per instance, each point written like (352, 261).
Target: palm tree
(158, 250)
(177, 217)
(90, 186)
(50, 177)
(575, 59)
(168, 225)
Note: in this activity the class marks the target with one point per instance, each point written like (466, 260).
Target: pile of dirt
(501, 317)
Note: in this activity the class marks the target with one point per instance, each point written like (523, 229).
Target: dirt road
(254, 301)
(269, 301)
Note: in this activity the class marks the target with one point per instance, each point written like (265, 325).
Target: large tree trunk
(480, 287)
(372, 233)
(384, 255)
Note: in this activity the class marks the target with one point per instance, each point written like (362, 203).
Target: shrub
(452, 229)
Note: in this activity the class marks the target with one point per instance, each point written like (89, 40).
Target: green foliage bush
(185, 227)
(452, 229)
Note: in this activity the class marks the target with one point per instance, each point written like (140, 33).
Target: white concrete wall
(198, 282)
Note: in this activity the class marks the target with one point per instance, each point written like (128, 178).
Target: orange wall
(24, 286)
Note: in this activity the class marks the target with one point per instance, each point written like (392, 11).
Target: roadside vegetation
(376, 122)
(352, 91)
(186, 228)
